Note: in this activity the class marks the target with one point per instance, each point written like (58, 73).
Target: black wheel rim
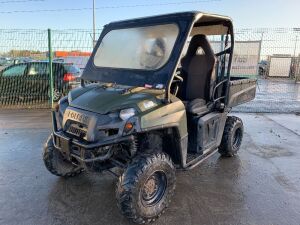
(237, 138)
(154, 189)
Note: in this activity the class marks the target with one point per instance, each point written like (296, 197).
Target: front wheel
(232, 136)
(146, 187)
(55, 162)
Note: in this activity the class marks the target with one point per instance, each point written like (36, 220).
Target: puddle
(269, 151)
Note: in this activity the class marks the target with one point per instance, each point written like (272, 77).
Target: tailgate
(241, 90)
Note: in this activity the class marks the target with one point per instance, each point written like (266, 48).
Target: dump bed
(241, 90)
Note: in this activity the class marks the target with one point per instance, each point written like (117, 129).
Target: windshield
(144, 48)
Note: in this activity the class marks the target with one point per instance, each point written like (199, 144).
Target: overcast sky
(245, 13)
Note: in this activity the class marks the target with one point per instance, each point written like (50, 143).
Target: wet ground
(261, 186)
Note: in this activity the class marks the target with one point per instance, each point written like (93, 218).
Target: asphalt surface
(261, 186)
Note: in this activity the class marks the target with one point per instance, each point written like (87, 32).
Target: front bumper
(66, 144)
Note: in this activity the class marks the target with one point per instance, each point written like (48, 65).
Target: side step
(196, 159)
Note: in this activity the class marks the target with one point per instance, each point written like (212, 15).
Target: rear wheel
(55, 162)
(232, 136)
(146, 187)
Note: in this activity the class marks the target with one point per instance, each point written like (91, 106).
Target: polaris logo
(78, 117)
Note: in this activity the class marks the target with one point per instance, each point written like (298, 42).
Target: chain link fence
(24, 65)
(278, 69)
(16, 48)
(270, 55)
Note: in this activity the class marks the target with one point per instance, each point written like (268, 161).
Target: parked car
(60, 60)
(5, 61)
(19, 60)
(263, 67)
(31, 80)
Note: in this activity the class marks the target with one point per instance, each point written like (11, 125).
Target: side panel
(209, 132)
(170, 115)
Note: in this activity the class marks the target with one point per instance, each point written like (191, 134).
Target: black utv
(154, 98)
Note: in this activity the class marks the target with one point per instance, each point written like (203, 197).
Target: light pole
(295, 48)
(94, 25)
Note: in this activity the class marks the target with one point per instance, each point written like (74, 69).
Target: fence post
(50, 67)
(295, 48)
(259, 56)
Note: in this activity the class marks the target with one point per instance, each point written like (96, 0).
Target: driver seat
(198, 70)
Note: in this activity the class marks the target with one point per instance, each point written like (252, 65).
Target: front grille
(76, 127)
(77, 131)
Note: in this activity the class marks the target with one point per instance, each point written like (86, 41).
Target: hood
(101, 99)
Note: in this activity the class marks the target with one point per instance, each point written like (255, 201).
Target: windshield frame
(141, 77)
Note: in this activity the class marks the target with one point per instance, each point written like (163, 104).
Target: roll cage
(216, 25)
(190, 24)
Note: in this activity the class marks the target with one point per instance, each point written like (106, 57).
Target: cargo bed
(241, 90)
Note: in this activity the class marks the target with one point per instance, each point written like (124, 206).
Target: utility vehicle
(154, 98)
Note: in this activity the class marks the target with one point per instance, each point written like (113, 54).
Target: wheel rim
(237, 138)
(154, 188)
(56, 95)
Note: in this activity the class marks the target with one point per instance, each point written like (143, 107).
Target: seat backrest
(198, 66)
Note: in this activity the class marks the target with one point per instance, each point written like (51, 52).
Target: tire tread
(225, 148)
(125, 189)
(48, 161)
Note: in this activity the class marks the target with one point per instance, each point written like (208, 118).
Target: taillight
(69, 77)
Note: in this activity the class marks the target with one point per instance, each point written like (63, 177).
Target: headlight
(125, 114)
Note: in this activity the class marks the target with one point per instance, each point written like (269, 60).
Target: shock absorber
(134, 146)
